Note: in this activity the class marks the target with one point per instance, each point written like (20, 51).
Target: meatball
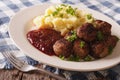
(103, 26)
(99, 49)
(63, 47)
(111, 41)
(87, 32)
(71, 36)
(80, 48)
(70, 33)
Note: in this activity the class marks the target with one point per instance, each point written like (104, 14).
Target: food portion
(43, 39)
(103, 48)
(87, 32)
(62, 18)
(76, 37)
(81, 48)
(63, 47)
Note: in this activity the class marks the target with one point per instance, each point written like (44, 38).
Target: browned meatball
(111, 41)
(103, 26)
(99, 49)
(87, 32)
(80, 48)
(63, 47)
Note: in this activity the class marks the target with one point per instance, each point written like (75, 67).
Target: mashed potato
(62, 18)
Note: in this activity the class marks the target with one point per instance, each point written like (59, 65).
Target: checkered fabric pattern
(8, 8)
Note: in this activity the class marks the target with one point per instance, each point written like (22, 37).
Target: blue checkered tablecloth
(8, 8)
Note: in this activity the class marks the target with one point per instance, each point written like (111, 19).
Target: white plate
(19, 26)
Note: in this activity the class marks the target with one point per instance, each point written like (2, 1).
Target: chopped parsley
(118, 39)
(89, 16)
(61, 15)
(47, 15)
(82, 44)
(70, 10)
(62, 57)
(88, 58)
(70, 58)
(72, 37)
(63, 5)
(74, 58)
(60, 9)
(55, 13)
(110, 49)
(100, 35)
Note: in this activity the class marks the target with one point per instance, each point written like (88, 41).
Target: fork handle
(51, 74)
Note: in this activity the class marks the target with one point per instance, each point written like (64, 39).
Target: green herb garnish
(47, 15)
(118, 39)
(89, 16)
(71, 10)
(74, 58)
(110, 49)
(63, 5)
(55, 13)
(67, 8)
(82, 44)
(72, 37)
(88, 58)
(61, 15)
(100, 35)
(59, 9)
(62, 57)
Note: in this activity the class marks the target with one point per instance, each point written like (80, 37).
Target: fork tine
(15, 59)
(12, 60)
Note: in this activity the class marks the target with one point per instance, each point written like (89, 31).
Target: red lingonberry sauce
(43, 39)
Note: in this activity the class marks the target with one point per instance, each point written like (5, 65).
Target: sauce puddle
(44, 39)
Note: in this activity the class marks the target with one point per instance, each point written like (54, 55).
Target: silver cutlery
(22, 66)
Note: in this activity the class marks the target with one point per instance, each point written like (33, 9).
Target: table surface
(15, 74)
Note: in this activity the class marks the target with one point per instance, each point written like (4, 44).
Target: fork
(22, 66)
